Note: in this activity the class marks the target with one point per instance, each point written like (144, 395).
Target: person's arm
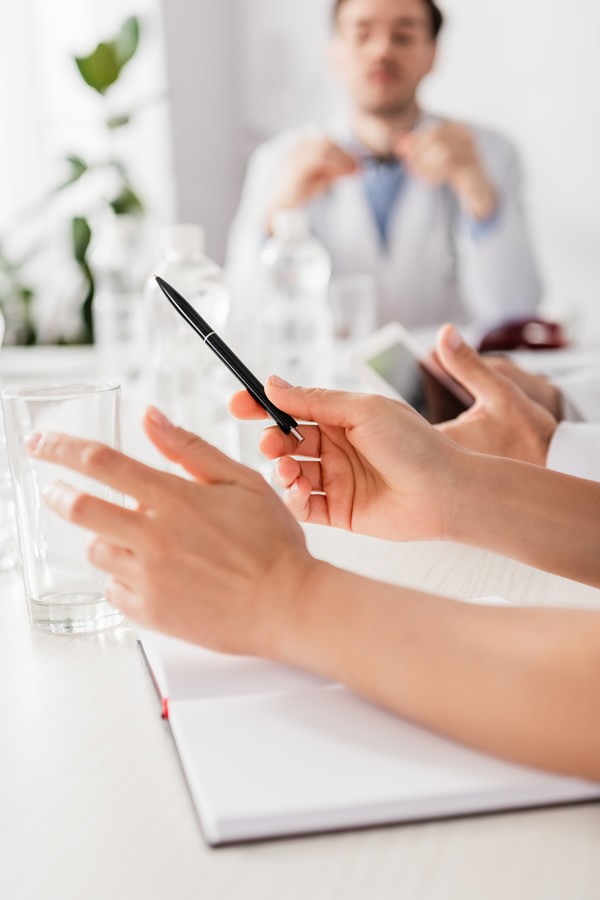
(373, 466)
(514, 682)
(542, 518)
(497, 273)
(218, 561)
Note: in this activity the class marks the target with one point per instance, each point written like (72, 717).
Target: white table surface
(93, 804)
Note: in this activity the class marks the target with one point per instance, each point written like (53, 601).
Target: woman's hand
(504, 419)
(369, 465)
(216, 560)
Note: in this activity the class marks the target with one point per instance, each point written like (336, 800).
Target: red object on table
(524, 334)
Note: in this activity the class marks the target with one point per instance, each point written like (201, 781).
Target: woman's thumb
(466, 366)
(326, 407)
(203, 461)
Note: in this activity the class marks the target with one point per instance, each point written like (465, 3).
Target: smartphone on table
(391, 363)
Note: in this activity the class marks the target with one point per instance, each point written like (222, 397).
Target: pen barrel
(250, 382)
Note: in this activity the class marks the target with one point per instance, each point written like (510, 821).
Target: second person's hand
(504, 420)
(308, 170)
(370, 464)
(446, 153)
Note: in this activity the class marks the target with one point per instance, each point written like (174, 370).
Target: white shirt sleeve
(575, 450)
(581, 395)
(499, 275)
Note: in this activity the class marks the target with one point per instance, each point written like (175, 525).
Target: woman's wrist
(313, 618)
(450, 496)
(473, 494)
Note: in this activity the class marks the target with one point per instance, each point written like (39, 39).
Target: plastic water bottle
(116, 260)
(187, 381)
(297, 326)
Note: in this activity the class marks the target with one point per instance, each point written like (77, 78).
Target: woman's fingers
(306, 506)
(120, 525)
(288, 470)
(204, 462)
(274, 443)
(117, 561)
(98, 461)
(302, 479)
(124, 598)
(243, 406)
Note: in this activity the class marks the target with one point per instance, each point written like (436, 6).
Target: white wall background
(533, 70)
(530, 69)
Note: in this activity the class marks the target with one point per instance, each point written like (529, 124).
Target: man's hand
(447, 154)
(308, 170)
(503, 421)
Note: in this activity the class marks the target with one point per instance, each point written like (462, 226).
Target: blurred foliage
(104, 64)
(16, 298)
(100, 70)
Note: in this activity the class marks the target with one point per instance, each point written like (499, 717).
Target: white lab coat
(435, 269)
(575, 450)
(575, 445)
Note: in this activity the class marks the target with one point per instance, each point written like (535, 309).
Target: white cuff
(575, 450)
(581, 395)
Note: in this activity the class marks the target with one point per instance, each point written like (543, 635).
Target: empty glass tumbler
(353, 302)
(65, 593)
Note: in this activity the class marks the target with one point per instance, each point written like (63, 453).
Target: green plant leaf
(118, 121)
(81, 235)
(126, 42)
(87, 319)
(121, 168)
(100, 69)
(78, 168)
(127, 202)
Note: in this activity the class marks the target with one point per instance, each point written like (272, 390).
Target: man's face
(383, 49)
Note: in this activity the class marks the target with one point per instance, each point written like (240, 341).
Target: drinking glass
(65, 593)
(353, 302)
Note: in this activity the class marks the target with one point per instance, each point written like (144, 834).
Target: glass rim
(66, 391)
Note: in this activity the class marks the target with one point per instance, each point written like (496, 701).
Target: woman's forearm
(543, 518)
(518, 683)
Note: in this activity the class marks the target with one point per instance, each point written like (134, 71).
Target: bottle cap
(183, 239)
(291, 224)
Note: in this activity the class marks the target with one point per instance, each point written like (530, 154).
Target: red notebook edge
(164, 701)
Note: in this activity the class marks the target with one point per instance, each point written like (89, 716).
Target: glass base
(74, 613)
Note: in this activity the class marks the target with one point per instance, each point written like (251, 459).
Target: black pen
(218, 346)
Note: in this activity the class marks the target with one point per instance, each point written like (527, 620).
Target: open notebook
(270, 751)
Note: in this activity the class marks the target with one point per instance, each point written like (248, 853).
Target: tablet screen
(419, 387)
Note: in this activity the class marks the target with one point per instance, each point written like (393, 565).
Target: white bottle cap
(291, 225)
(186, 240)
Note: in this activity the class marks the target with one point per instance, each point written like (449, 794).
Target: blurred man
(431, 208)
